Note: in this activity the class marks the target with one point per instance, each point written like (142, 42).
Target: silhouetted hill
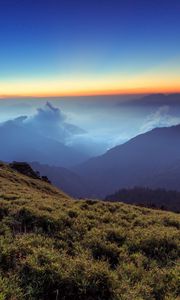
(25, 169)
(167, 178)
(155, 100)
(139, 162)
(64, 179)
(159, 198)
(16, 185)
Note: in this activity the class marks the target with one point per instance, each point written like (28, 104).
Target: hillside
(65, 179)
(54, 247)
(145, 160)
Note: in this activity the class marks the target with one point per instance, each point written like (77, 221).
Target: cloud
(42, 137)
(50, 114)
(89, 143)
(47, 121)
(51, 122)
(160, 118)
(14, 122)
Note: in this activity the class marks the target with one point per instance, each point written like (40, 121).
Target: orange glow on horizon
(88, 86)
(132, 91)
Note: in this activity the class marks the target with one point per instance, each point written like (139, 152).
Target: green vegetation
(54, 247)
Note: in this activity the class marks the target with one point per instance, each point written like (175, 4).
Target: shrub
(171, 222)
(105, 251)
(162, 249)
(47, 276)
(116, 236)
(9, 288)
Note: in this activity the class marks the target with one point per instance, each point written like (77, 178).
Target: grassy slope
(52, 247)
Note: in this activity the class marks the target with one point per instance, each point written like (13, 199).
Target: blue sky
(123, 41)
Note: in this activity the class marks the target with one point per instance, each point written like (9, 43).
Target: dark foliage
(158, 198)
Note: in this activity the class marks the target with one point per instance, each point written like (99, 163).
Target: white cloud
(160, 118)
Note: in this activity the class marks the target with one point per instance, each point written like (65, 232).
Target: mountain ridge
(134, 162)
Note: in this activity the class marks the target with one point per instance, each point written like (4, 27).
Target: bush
(161, 249)
(105, 251)
(49, 276)
(9, 288)
(116, 236)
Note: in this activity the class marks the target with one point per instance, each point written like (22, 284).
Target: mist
(90, 125)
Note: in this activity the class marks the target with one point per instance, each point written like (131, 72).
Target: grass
(54, 247)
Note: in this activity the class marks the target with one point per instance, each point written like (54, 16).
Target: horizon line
(130, 92)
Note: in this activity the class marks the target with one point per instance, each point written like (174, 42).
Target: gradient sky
(69, 47)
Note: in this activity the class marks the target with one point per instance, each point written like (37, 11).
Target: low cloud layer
(91, 128)
(160, 118)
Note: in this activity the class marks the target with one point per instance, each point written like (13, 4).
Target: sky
(68, 47)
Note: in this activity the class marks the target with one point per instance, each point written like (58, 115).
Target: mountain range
(154, 100)
(146, 160)
(149, 160)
